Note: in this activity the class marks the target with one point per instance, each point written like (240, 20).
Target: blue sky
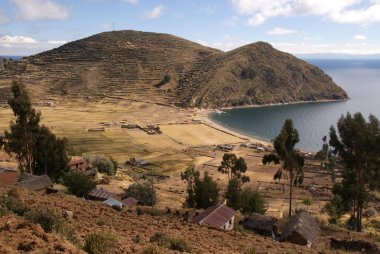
(295, 26)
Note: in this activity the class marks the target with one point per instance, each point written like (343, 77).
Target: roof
(113, 202)
(5, 169)
(303, 224)
(130, 201)
(260, 222)
(76, 161)
(35, 183)
(100, 193)
(216, 216)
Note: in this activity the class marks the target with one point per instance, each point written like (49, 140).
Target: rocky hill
(167, 69)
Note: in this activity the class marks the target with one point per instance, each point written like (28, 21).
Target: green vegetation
(233, 193)
(247, 73)
(292, 160)
(165, 241)
(250, 201)
(164, 81)
(234, 167)
(307, 202)
(206, 192)
(36, 148)
(49, 218)
(357, 142)
(144, 193)
(12, 203)
(189, 175)
(100, 243)
(102, 163)
(78, 184)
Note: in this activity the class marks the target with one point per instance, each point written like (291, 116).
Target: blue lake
(360, 79)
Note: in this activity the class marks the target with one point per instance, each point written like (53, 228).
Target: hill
(166, 69)
(18, 235)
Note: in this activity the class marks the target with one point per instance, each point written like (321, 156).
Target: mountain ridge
(168, 69)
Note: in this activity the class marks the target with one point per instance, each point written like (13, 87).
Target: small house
(301, 229)
(219, 216)
(79, 164)
(40, 183)
(129, 202)
(100, 195)
(261, 224)
(8, 176)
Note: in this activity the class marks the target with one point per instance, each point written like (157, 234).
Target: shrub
(49, 218)
(179, 245)
(144, 193)
(151, 249)
(251, 202)
(161, 239)
(78, 184)
(12, 203)
(137, 239)
(102, 163)
(100, 243)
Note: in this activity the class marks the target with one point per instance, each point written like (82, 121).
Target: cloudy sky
(296, 26)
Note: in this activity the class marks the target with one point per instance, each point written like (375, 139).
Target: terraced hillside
(131, 64)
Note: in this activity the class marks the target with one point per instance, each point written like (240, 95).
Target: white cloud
(360, 37)
(210, 10)
(24, 45)
(131, 1)
(3, 18)
(361, 12)
(31, 10)
(343, 48)
(156, 12)
(281, 31)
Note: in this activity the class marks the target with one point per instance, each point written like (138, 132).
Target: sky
(296, 26)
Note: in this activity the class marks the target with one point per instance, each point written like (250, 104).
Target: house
(100, 195)
(129, 202)
(113, 202)
(261, 224)
(219, 216)
(79, 164)
(8, 176)
(40, 183)
(301, 229)
(225, 148)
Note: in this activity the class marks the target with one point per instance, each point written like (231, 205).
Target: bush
(151, 249)
(12, 203)
(179, 245)
(102, 163)
(100, 243)
(78, 184)
(161, 239)
(49, 218)
(251, 202)
(144, 193)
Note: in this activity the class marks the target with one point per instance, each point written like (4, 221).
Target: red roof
(215, 216)
(76, 161)
(129, 202)
(101, 194)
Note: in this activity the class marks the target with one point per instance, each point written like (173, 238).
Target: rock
(69, 215)
(261, 224)
(370, 212)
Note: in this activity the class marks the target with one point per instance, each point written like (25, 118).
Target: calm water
(360, 79)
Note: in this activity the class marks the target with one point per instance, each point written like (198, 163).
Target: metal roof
(129, 202)
(215, 216)
(36, 183)
(102, 194)
(113, 202)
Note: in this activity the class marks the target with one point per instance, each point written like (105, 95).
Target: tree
(102, 163)
(357, 142)
(251, 202)
(233, 193)
(291, 160)
(50, 154)
(335, 209)
(206, 192)
(307, 202)
(78, 184)
(144, 193)
(327, 157)
(23, 133)
(234, 167)
(189, 175)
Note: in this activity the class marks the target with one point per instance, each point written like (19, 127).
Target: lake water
(360, 79)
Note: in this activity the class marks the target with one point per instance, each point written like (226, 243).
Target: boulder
(261, 224)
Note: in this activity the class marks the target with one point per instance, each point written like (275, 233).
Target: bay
(359, 77)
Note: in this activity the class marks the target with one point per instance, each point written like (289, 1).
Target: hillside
(20, 236)
(132, 64)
